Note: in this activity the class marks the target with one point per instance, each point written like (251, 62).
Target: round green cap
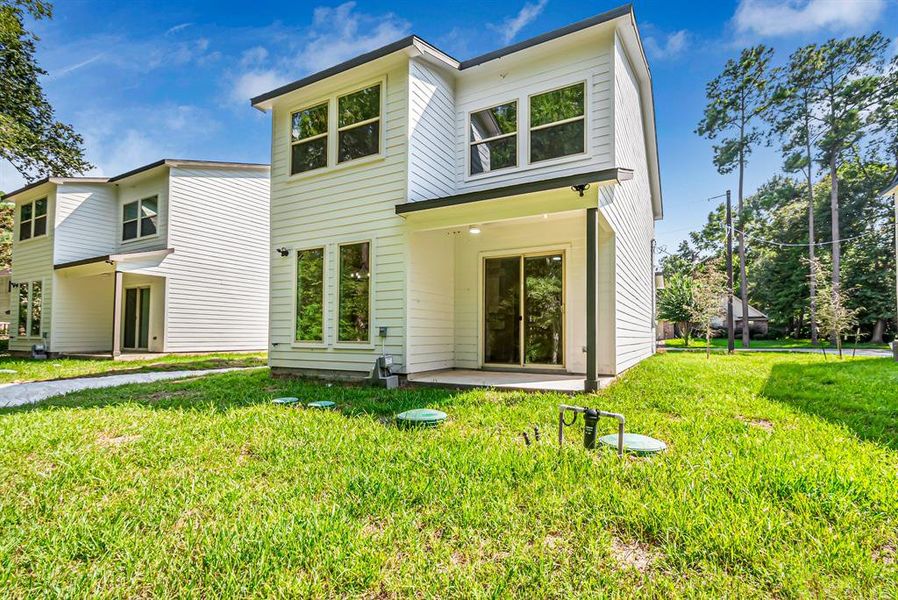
(634, 443)
(321, 404)
(421, 417)
(286, 400)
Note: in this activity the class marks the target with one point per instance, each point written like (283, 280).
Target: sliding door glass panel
(130, 333)
(143, 336)
(502, 311)
(544, 310)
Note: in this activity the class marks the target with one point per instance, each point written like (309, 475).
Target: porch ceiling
(109, 263)
(511, 201)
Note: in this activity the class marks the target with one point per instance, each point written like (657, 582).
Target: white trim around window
(360, 344)
(523, 131)
(471, 144)
(334, 130)
(325, 267)
(143, 217)
(584, 117)
(37, 225)
(29, 310)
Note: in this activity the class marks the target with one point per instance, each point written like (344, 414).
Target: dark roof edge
(542, 185)
(83, 261)
(25, 188)
(610, 15)
(891, 187)
(336, 69)
(176, 162)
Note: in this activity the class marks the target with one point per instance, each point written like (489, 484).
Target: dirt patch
(885, 554)
(374, 528)
(111, 440)
(759, 423)
(633, 555)
(553, 541)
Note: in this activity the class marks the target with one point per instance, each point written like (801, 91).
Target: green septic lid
(635, 443)
(287, 400)
(421, 417)
(321, 404)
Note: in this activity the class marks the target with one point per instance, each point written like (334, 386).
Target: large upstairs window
(358, 121)
(308, 139)
(493, 138)
(33, 219)
(558, 123)
(140, 218)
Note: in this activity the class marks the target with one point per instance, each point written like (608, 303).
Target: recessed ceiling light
(474, 229)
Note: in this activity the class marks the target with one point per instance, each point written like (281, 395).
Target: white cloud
(511, 26)
(177, 28)
(773, 18)
(335, 35)
(670, 46)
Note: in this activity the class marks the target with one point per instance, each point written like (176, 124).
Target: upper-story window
(344, 128)
(558, 123)
(494, 138)
(140, 218)
(308, 139)
(33, 219)
(358, 122)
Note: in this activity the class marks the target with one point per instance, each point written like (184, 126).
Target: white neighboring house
(170, 257)
(493, 213)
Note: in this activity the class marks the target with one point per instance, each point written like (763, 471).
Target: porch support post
(116, 316)
(592, 299)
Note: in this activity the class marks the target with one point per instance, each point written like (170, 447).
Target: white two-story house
(490, 214)
(170, 257)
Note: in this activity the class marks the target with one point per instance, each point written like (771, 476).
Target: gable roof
(165, 162)
(414, 40)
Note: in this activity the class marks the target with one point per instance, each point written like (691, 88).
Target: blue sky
(143, 80)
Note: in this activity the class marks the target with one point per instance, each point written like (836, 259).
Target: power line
(791, 245)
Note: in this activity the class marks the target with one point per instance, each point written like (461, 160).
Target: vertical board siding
(431, 302)
(32, 260)
(217, 278)
(346, 204)
(87, 221)
(630, 215)
(431, 162)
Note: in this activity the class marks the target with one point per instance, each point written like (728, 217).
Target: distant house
(170, 257)
(496, 213)
(757, 321)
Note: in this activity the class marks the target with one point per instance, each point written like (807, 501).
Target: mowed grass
(784, 343)
(781, 479)
(14, 370)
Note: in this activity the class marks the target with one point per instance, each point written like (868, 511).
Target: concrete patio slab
(471, 378)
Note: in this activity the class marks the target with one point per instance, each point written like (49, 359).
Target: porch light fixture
(283, 251)
(474, 229)
(580, 189)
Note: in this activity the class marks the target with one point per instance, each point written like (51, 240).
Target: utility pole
(731, 325)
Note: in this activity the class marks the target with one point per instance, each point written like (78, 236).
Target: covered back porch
(512, 291)
(112, 305)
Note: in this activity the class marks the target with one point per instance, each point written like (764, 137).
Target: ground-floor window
(310, 295)
(30, 308)
(355, 287)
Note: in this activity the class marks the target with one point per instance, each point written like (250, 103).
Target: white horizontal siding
(630, 215)
(144, 187)
(431, 301)
(432, 156)
(82, 319)
(346, 204)
(87, 221)
(217, 279)
(588, 58)
(32, 260)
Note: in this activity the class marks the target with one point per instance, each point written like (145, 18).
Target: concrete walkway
(872, 352)
(19, 394)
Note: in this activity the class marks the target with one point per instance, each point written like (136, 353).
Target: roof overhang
(512, 201)
(46, 181)
(110, 263)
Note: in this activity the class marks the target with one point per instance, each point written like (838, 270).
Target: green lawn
(786, 343)
(26, 369)
(781, 480)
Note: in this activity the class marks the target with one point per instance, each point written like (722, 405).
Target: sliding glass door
(523, 310)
